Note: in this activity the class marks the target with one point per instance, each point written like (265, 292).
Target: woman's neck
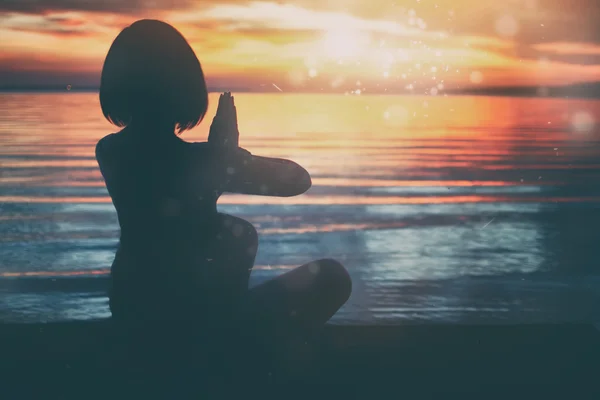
(153, 131)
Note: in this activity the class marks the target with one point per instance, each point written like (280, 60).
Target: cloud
(276, 36)
(110, 6)
(536, 20)
(568, 48)
(269, 15)
(65, 24)
(485, 42)
(286, 34)
(564, 52)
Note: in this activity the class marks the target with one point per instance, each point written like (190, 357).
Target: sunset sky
(329, 45)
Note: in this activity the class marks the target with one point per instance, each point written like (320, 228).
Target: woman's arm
(250, 174)
(245, 173)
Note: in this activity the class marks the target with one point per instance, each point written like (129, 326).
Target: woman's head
(151, 75)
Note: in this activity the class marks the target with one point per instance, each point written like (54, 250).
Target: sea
(444, 209)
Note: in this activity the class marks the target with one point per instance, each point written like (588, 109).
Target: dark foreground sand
(90, 360)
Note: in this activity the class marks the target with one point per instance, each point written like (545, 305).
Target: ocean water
(443, 209)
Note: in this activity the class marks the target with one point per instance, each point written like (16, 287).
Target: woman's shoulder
(110, 146)
(106, 142)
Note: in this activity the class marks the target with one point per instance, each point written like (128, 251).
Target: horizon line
(578, 90)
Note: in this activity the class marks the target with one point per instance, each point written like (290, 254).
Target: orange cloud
(568, 48)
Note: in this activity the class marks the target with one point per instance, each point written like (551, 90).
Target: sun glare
(344, 43)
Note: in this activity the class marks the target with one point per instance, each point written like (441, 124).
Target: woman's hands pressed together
(224, 129)
(246, 173)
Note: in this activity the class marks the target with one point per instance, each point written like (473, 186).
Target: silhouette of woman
(178, 258)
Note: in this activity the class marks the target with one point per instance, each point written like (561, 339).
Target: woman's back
(160, 189)
(165, 195)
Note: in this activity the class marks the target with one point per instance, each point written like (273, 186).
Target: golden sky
(329, 45)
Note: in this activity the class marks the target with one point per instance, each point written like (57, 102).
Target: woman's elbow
(299, 185)
(305, 181)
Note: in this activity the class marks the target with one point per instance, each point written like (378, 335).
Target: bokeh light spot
(396, 115)
(507, 26)
(476, 77)
(583, 122)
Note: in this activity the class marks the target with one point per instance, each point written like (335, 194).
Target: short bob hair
(152, 74)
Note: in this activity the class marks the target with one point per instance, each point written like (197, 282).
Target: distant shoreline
(587, 90)
(590, 90)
